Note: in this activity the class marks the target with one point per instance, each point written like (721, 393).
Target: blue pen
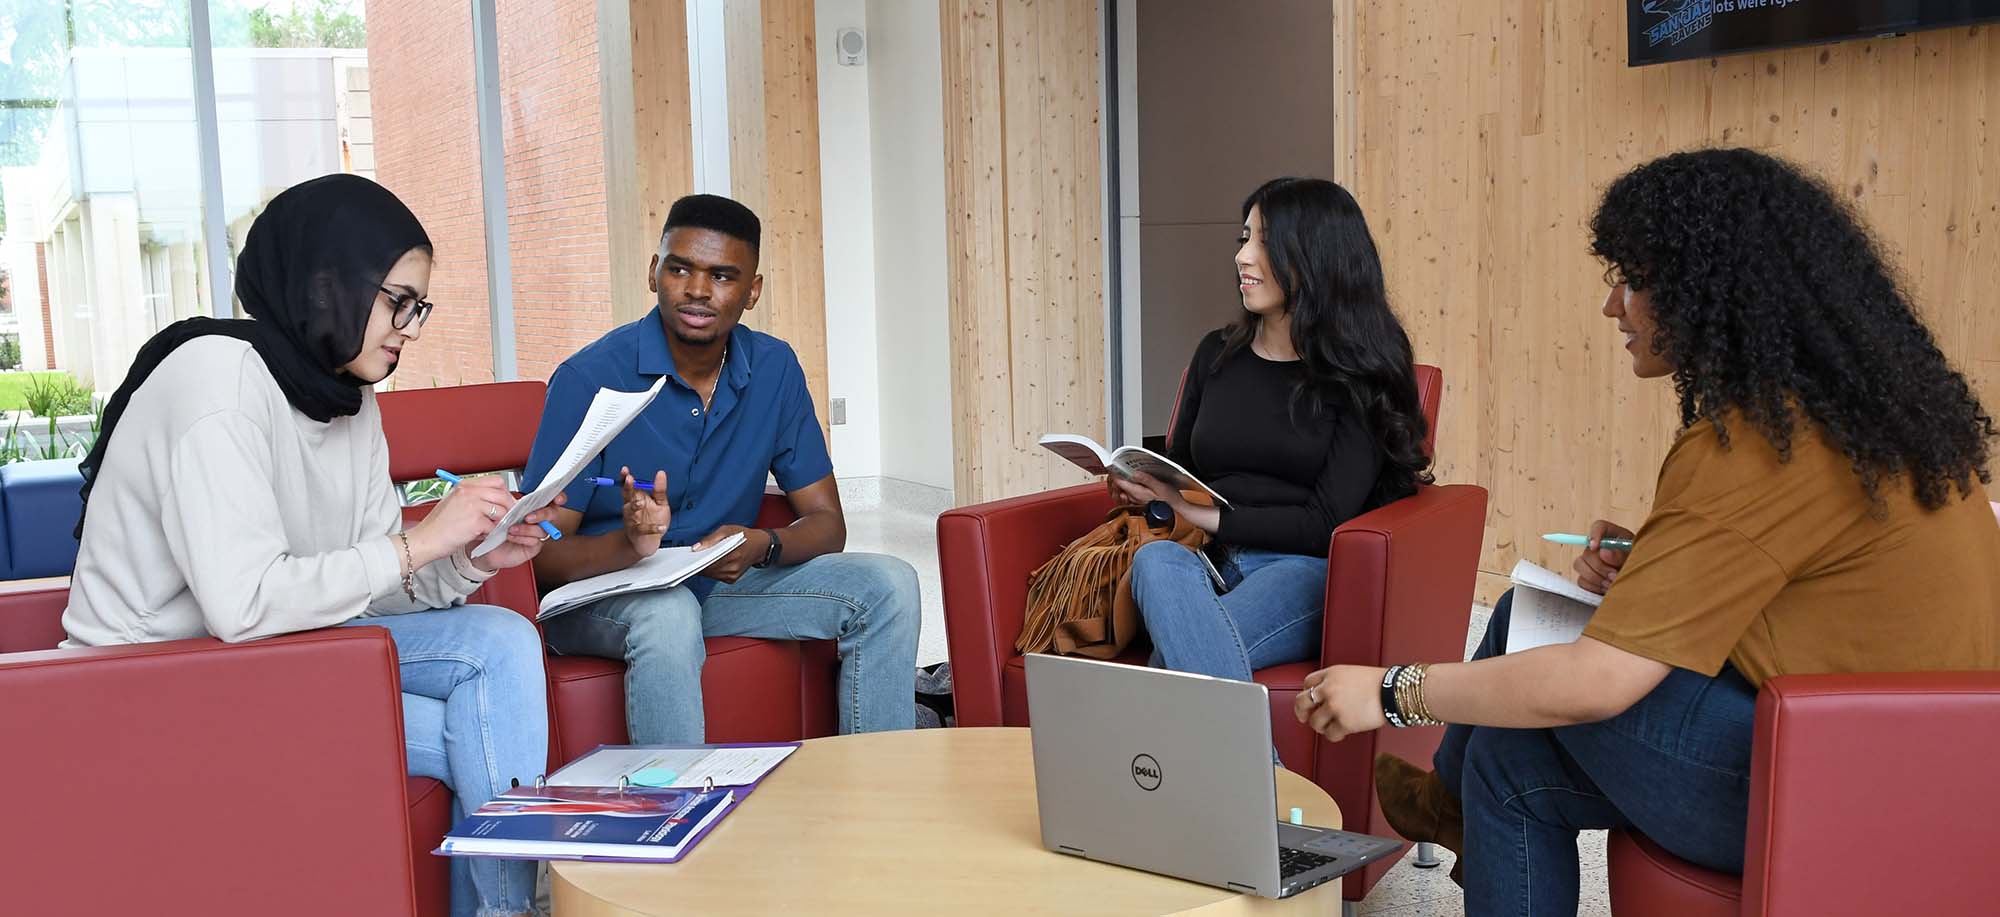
(1583, 541)
(555, 534)
(613, 482)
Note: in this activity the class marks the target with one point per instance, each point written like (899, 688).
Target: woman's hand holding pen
(524, 540)
(464, 516)
(463, 519)
(1597, 567)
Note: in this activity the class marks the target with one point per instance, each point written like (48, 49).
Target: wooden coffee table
(921, 821)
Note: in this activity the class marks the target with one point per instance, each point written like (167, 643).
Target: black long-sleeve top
(1290, 477)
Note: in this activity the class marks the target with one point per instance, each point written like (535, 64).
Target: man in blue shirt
(735, 407)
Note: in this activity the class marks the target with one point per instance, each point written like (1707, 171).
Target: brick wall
(48, 309)
(558, 220)
(427, 151)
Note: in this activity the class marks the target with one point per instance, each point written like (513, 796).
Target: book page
(1547, 609)
(693, 767)
(610, 413)
(1080, 450)
(667, 568)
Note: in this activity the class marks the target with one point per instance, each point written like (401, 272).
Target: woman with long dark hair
(240, 488)
(1303, 415)
(1819, 512)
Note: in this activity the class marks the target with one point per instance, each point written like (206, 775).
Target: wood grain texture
(1481, 137)
(1025, 237)
(901, 823)
(774, 170)
(663, 140)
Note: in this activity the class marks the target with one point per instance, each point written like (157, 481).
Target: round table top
(906, 822)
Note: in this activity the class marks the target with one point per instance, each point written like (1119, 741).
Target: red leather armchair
(260, 778)
(1399, 588)
(1869, 794)
(752, 690)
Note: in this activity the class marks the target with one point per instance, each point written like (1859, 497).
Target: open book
(667, 568)
(1125, 462)
(1548, 609)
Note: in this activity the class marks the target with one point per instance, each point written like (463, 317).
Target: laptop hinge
(1073, 851)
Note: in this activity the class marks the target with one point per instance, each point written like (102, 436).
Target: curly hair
(1355, 353)
(1771, 300)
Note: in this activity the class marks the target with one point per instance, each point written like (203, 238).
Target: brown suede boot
(1421, 808)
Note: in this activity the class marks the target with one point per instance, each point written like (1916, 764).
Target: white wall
(912, 297)
(708, 96)
(847, 215)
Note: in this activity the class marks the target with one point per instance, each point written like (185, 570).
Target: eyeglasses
(407, 308)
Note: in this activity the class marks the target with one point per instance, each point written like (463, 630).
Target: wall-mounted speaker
(851, 45)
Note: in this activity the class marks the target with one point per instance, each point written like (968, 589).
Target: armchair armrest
(1882, 776)
(1399, 579)
(266, 777)
(985, 554)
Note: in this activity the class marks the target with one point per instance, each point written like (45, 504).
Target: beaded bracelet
(1403, 697)
(409, 567)
(1410, 696)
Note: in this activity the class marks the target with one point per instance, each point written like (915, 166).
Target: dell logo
(1146, 773)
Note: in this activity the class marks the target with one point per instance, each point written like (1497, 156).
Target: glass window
(291, 99)
(100, 235)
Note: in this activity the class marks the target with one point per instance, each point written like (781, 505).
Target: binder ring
(708, 784)
(624, 784)
(541, 781)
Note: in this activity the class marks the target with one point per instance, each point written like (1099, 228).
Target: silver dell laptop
(1171, 773)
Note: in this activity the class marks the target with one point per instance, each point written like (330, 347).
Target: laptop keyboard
(1293, 861)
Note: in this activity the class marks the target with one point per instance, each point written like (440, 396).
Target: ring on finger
(1312, 694)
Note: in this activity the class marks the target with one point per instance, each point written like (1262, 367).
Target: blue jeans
(1675, 767)
(1270, 613)
(866, 602)
(476, 716)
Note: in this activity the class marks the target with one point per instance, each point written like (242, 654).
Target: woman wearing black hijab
(240, 488)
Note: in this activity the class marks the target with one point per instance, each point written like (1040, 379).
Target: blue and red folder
(621, 824)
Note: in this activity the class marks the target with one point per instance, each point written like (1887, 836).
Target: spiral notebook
(620, 803)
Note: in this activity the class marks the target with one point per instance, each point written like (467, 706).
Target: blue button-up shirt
(761, 420)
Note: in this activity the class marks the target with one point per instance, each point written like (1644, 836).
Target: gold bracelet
(409, 567)
(1410, 696)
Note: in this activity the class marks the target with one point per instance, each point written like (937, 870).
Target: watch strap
(772, 553)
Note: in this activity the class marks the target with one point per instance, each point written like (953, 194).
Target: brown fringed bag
(1080, 602)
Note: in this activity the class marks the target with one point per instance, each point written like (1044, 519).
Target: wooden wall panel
(774, 169)
(662, 132)
(1023, 184)
(1482, 135)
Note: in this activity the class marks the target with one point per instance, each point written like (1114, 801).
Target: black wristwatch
(771, 555)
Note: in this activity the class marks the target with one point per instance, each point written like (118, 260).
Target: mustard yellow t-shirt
(1781, 567)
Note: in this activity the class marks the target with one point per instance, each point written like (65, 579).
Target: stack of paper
(610, 413)
(667, 568)
(1548, 609)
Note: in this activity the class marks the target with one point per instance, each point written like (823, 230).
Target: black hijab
(307, 277)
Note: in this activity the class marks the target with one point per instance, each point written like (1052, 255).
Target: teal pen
(1583, 541)
(555, 534)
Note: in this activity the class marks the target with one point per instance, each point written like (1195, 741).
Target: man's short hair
(713, 212)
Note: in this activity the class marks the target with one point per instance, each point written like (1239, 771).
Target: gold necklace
(709, 399)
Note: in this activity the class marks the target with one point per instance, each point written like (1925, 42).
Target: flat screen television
(1670, 30)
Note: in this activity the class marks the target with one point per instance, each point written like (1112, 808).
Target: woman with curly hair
(1303, 414)
(1819, 512)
